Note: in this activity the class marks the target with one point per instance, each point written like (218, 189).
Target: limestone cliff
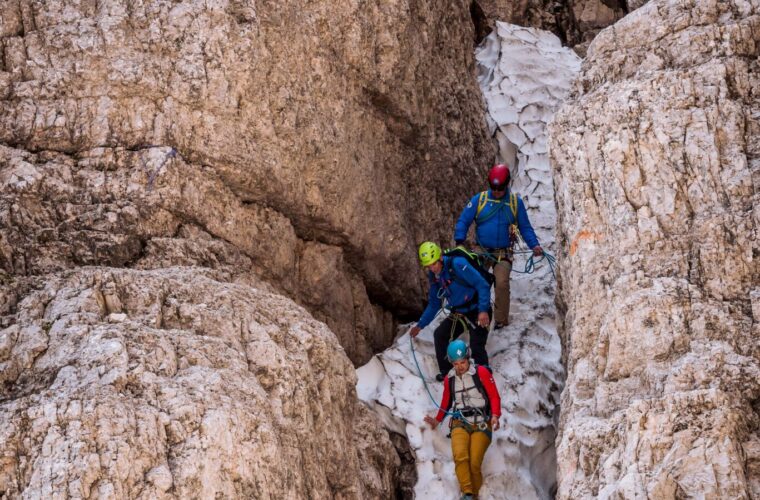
(169, 173)
(657, 173)
(177, 383)
(320, 140)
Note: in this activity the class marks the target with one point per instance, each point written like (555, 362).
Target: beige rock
(576, 22)
(206, 388)
(346, 125)
(656, 164)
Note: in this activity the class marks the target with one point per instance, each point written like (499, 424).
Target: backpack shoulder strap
(513, 204)
(479, 384)
(452, 394)
(482, 200)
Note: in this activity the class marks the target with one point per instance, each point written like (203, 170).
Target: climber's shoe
(467, 496)
(440, 377)
(499, 325)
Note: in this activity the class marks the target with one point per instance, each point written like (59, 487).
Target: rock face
(316, 142)
(576, 22)
(657, 173)
(177, 383)
(156, 159)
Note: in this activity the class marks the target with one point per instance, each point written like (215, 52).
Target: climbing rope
(424, 382)
(453, 414)
(530, 264)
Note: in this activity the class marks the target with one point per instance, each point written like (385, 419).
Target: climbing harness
(470, 410)
(456, 414)
(462, 319)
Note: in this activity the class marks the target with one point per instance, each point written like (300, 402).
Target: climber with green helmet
(471, 397)
(468, 299)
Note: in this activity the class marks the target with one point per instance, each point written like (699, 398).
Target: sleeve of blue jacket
(465, 219)
(526, 230)
(468, 273)
(433, 306)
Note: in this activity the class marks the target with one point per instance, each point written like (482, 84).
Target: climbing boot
(440, 377)
(467, 496)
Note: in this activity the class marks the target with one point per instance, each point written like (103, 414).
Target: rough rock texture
(177, 383)
(657, 173)
(576, 22)
(179, 147)
(524, 74)
(313, 137)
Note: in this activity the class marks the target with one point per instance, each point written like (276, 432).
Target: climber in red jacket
(471, 397)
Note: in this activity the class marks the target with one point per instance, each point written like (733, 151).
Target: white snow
(524, 75)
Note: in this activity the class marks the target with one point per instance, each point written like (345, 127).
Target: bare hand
(483, 319)
(433, 423)
(538, 251)
(415, 331)
(495, 423)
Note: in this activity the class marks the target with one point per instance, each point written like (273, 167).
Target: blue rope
(454, 414)
(530, 264)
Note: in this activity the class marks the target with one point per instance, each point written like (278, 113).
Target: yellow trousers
(468, 449)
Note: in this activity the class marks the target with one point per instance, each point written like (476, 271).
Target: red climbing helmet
(498, 177)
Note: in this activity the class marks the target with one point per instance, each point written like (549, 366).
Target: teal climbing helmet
(457, 350)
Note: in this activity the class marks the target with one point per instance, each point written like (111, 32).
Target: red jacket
(486, 378)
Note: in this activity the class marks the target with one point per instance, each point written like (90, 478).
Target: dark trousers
(452, 327)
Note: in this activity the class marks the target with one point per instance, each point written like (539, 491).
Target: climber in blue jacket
(494, 212)
(468, 298)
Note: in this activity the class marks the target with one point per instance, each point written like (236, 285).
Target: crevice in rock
(480, 22)
(407, 472)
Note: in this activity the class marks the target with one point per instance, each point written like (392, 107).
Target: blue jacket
(492, 225)
(461, 285)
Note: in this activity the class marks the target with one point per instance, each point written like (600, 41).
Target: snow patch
(524, 74)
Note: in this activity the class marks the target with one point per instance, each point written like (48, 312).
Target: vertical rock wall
(320, 139)
(657, 174)
(169, 170)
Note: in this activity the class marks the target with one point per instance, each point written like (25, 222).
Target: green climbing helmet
(457, 350)
(429, 253)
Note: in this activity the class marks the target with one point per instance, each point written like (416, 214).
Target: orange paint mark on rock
(581, 235)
